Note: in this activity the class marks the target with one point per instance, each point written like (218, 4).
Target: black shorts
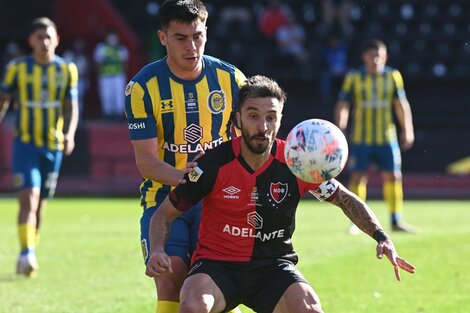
(257, 284)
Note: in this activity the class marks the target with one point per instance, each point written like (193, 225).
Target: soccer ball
(316, 150)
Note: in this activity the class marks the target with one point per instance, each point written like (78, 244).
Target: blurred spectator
(235, 15)
(111, 58)
(336, 13)
(335, 65)
(12, 51)
(290, 39)
(78, 56)
(272, 17)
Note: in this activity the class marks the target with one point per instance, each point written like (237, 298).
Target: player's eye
(271, 118)
(252, 116)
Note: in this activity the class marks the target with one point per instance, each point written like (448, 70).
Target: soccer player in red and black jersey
(249, 199)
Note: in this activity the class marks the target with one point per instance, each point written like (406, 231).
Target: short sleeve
(72, 89)
(141, 121)
(9, 78)
(399, 84)
(346, 88)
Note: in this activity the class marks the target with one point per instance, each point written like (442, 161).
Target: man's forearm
(70, 118)
(158, 170)
(4, 103)
(357, 211)
(160, 226)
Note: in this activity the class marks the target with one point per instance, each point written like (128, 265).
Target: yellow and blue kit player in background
(45, 89)
(176, 108)
(372, 93)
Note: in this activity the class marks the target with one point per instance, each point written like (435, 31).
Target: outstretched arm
(361, 215)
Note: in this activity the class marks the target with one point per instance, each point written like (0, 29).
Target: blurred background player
(111, 57)
(45, 89)
(177, 107)
(373, 92)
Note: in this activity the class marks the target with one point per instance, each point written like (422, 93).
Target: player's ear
(162, 37)
(30, 40)
(237, 120)
(233, 119)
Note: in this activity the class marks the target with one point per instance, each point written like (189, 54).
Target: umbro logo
(231, 192)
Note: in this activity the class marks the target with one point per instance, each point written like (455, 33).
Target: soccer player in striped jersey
(176, 108)
(250, 197)
(45, 89)
(371, 94)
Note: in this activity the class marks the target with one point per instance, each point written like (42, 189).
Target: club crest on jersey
(278, 191)
(216, 101)
(60, 79)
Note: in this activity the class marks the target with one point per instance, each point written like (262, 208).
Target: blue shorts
(386, 157)
(35, 167)
(183, 236)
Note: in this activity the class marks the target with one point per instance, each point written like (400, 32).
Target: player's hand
(159, 263)
(190, 166)
(386, 247)
(69, 145)
(406, 140)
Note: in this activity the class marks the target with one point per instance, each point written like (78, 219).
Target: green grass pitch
(90, 260)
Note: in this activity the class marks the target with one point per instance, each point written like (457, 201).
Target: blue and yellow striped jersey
(186, 116)
(371, 97)
(40, 92)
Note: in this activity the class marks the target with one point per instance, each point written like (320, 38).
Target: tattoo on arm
(166, 230)
(357, 211)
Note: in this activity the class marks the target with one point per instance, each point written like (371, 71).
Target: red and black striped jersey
(246, 215)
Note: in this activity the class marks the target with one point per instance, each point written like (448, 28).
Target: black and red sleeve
(198, 183)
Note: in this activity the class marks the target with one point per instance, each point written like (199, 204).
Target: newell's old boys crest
(216, 101)
(278, 191)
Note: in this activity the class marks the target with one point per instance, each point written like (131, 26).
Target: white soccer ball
(316, 150)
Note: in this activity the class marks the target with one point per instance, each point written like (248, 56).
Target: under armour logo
(166, 103)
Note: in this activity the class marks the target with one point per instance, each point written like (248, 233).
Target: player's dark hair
(372, 44)
(41, 23)
(260, 87)
(183, 11)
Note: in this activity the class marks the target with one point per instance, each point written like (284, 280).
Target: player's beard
(253, 147)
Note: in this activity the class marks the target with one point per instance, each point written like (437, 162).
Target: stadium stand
(429, 41)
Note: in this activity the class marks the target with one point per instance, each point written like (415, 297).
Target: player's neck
(42, 58)
(254, 160)
(375, 70)
(185, 74)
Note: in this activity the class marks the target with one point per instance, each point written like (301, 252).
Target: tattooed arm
(357, 211)
(160, 225)
(361, 215)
